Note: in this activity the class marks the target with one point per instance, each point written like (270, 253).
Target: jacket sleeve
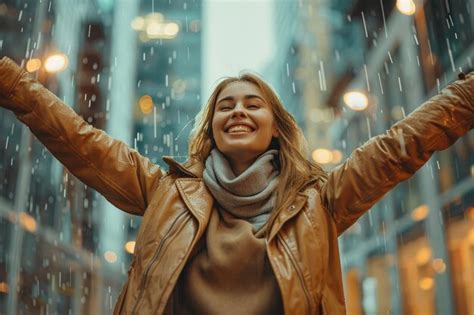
(378, 165)
(109, 166)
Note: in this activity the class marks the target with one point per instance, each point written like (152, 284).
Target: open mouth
(240, 129)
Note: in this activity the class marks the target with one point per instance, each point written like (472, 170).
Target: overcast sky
(237, 35)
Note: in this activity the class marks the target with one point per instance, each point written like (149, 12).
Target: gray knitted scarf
(250, 195)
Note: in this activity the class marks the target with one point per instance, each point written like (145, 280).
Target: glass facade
(51, 246)
(399, 258)
(169, 71)
(446, 32)
(412, 253)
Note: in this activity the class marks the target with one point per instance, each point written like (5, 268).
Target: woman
(247, 225)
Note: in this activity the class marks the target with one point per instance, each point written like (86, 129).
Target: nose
(239, 110)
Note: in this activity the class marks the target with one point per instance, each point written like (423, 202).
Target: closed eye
(225, 108)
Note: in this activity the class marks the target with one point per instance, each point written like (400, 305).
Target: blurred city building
(347, 70)
(360, 67)
(131, 68)
(282, 71)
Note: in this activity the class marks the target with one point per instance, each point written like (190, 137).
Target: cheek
(215, 128)
(215, 125)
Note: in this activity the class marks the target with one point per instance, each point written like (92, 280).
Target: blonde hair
(296, 170)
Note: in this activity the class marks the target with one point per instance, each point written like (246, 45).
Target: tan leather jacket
(176, 206)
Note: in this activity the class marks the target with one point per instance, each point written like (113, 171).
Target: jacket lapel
(286, 214)
(192, 189)
(197, 198)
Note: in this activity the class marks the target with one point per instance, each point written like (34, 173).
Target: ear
(275, 133)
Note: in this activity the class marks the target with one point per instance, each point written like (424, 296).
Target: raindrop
(321, 87)
(390, 56)
(365, 25)
(451, 20)
(368, 127)
(450, 53)
(367, 78)
(380, 82)
(323, 76)
(401, 140)
(416, 40)
(383, 17)
(154, 122)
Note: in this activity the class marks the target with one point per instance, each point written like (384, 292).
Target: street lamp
(146, 104)
(406, 7)
(356, 100)
(110, 256)
(33, 65)
(56, 63)
(420, 212)
(154, 26)
(322, 156)
(130, 247)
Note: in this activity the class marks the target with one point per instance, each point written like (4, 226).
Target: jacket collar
(201, 207)
(191, 168)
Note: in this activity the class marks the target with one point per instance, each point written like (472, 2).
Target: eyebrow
(231, 98)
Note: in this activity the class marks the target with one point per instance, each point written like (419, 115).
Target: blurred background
(346, 69)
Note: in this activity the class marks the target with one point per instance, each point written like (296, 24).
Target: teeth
(239, 128)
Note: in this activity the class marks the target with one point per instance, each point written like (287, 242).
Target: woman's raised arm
(118, 172)
(384, 161)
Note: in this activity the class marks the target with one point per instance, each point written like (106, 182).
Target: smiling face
(243, 123)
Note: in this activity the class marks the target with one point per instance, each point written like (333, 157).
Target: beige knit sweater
(229, 273)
